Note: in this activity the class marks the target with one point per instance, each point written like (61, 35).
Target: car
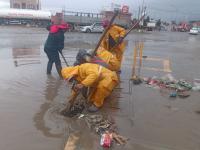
(95, 27)
(195, 30)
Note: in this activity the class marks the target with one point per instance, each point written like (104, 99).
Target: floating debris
(180, 88)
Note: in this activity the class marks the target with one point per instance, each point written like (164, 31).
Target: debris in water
(76, 109)
(106, 139)
(184, 94)
(119, 139)
(136, 80)
(81, 116)
(174, 87)
(72, 142)
(173, 94)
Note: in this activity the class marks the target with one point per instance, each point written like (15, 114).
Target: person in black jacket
(54, 45)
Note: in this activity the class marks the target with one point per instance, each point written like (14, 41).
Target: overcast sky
(168, 9)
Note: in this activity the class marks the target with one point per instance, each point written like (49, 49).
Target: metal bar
(64, 59)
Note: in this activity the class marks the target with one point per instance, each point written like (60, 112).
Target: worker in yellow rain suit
(114, 34)
(109, 58)
(103, 58)
(99, 78)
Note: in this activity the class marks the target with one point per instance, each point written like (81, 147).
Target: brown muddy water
(30, 100)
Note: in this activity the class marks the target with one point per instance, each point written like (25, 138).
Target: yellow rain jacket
(108, 58)
(101, 79)
(115, 32)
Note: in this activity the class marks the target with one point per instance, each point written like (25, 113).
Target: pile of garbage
(106, 128)
(179, 88)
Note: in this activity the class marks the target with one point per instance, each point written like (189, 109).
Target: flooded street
(30, 100)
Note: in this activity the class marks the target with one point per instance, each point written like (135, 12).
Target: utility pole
(139, 13)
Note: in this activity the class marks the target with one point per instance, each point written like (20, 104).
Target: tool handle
(64, 59)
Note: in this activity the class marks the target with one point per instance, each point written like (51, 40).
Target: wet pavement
(30, 100)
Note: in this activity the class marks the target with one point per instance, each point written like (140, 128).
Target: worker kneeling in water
(103, 58)
(109, 58)
(101, 80)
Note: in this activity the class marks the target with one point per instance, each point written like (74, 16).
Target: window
(16, 5)
(23, 5)
(31, 6)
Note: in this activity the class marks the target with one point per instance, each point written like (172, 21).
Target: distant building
(196, 24)
(123, 19)
(25, 4)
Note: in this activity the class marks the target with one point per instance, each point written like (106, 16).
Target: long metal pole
(64, 59)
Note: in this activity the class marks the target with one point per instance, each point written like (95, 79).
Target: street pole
(139, 13)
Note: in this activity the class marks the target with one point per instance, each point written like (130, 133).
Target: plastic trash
(184, 94)
(173, 94)
(168, 78)
(185, 84)
(196, 84)
(196, 88)
(106, 140)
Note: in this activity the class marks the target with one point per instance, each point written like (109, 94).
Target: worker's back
(55, 41)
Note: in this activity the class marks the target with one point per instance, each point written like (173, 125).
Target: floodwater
(30, 100)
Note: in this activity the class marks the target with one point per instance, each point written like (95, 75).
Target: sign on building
(125, 9)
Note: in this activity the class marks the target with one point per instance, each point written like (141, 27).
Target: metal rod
(64, 59)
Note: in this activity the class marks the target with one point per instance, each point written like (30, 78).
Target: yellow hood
(69, 72)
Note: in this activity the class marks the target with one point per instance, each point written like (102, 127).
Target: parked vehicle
(195, 31)
(151, 26)
(95, 27)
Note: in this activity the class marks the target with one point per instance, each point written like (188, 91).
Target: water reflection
(48, 120)
(26, 56)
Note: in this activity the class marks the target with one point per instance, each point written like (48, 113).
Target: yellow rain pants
(102, 80)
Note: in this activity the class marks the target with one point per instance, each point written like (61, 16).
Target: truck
(24, 17)
(77, 19)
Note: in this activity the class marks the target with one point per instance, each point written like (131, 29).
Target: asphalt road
(30, 100)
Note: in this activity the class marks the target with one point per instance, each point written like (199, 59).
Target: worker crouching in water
(55, 44)
(103, 58)
(114, 35)
(101, 80)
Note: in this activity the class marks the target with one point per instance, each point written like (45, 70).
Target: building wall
(122, 19)
(25, 4)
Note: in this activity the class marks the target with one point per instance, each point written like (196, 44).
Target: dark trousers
(53, 58)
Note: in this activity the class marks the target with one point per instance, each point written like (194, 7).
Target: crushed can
(106, 140)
